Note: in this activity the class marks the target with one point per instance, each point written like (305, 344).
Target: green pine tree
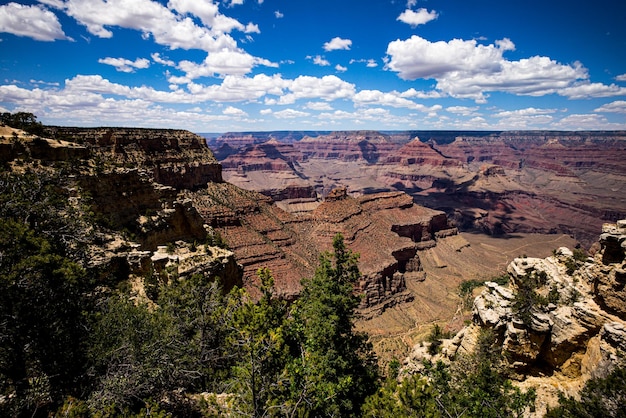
(334, 368)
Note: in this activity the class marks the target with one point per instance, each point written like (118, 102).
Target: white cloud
(221, 62)
(319, 60)
(340, 68)
(31, 21)
(466, 69)
(156, 57)
(175, 30)
(370, 63)
(328, 88)
(393, 99)
(417, 57)
(416, 18)
(583, 122)
(337, 43)
(278, 14)
(415, 94)
(290, 114)
(621, 77)
(318, 106)
(618, 106)
(529, 111)
(462, 110)
(233, 111)
(252, 28)
(586, 90)
(125, 65)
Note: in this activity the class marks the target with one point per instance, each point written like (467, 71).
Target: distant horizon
(332, 65)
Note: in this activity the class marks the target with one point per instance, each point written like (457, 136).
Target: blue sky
(241, 65)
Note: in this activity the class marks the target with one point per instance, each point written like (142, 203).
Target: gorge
(424, 216)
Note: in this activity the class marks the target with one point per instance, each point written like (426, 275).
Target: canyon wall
(494, 182)
(162, 204)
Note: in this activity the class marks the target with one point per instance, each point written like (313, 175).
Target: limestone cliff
(560, 322)
(132, 184)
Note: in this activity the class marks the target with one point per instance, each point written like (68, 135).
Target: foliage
(466, 288)
(572, 264)
(600, 397)
(258, 336)
(42, 295)
(526, 299)
(137, 352)
(435, 339)
(471, 386)
(22, 120)
(334, 368)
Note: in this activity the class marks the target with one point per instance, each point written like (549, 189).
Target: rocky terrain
(163, 189)
(494, 182)
(560, 322)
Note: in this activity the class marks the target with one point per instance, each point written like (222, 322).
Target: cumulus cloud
(290, 114)
(318, 106)
(586, 90)
(462, 110)
(125, 65)
(369, 63)
(621, 77)
(416, 18)
(337, 43)
(156, 57)
(582, 122)
(328, 88)
(418, 94)
(231, 62)
(529, 111)
(392, 99)
(278, 14)
(234, 111)
(618, 106)
(172, 26)
(417, 57)
(319, 60)
(31, 21)
(340, 68)
(466, 69)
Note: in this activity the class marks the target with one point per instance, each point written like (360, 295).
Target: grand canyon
(424, 211)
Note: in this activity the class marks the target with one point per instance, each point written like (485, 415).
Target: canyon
(424, 214)
(493, 182)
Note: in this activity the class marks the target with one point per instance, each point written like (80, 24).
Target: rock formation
(561, 321)
(494, 182)
(158, 194)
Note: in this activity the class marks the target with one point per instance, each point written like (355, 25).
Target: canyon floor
(455, 259)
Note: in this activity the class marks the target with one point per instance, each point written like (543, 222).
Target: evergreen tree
(42, 296)
(333, 368)
(258, 337)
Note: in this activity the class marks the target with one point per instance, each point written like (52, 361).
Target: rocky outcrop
(175, 158)
(609, 277)
(387, 230)
(561, 321)
(15, 143)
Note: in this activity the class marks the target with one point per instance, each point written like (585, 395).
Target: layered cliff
(158, 194)
(494, 182)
